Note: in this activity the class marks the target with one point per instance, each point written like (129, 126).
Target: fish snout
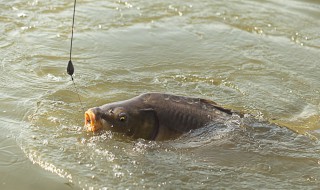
(92, 121)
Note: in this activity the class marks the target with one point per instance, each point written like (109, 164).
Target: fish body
(156, 116)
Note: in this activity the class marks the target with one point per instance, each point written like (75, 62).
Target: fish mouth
(90, 121)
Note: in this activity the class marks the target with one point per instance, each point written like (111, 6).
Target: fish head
(133, 121)
(97, 118)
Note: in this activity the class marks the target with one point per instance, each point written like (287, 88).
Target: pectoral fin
(149, 127)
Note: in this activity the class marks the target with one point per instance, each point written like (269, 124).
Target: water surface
(257, 57)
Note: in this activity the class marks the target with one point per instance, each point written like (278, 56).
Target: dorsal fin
(216, 106)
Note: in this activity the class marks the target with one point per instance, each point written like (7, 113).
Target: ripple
(8, 156)
(36, 159)
(5, 43)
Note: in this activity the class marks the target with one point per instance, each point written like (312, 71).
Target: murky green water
(259, 57)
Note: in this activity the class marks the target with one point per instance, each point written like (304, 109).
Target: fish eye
(122, 116)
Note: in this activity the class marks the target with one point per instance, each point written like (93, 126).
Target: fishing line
(70, 68)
